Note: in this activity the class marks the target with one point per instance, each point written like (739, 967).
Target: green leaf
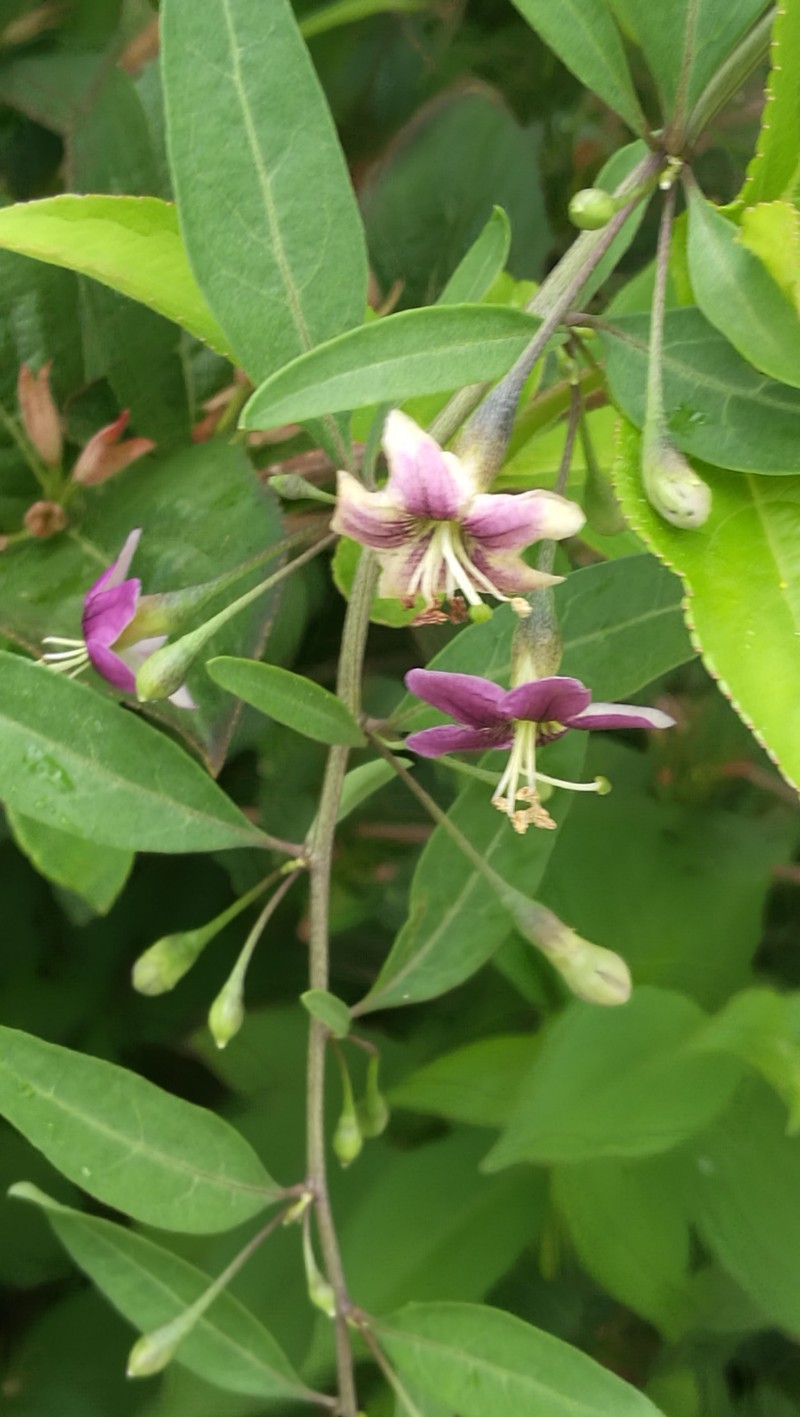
(737, 294)
(617, 1082)
(477, 1084)
(747, 1177)
(584, 36)
(151, 1286)
(676, 886)
(763, 1028)
(288, 698)
(76, 761)
(348, 12)
(718, 407)
(629, 1223)
(266, 206)
(424, 204)
(96, 873)
(455, 921)
(414, 352)
(486, 258)
(129, 1144)
(484, 1362)
(131, 244)
(360, 783)
(328, 1009)
(226, 516)
(669, 42)
(772, 231)
(753, 533)
(42, 321)
(775, 170)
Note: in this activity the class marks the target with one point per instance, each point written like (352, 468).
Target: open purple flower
(114, 623)
(520, 719)
(436, 532)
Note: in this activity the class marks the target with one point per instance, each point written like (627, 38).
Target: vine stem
(320, 856)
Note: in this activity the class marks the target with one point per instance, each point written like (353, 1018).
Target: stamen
(52, 658)
(63, 640)
(600, 785)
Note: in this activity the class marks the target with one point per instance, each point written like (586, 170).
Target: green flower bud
(153, 1351)
(226, 1015)
(320, 1292)
(672, 486)
(159, 968)
(347, 1139)
(479, 614)
(373, 1113)
(595, 974)
(591, 209)
(294, 488)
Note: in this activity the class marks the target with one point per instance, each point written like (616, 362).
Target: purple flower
(436, 532)
(518, 719)
(114, 619)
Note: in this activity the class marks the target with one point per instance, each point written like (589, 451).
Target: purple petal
(473, 701)
(112, 668)
(501, 520)
(619, 716)
(426, 481)
(118, 569)
(371, 518)
(507, 571)
(555, 699)
(398, 567)
(448, 738)
(106, 613)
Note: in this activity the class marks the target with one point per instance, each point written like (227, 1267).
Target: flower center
(71, 658)
(447, 566)
(518, 783)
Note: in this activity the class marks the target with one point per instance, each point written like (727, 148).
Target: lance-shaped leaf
(739, 296)
(750, 642)
(718, 406)
(414, 352)
(150, 1286)
(288, 698)
(131, 244)
(482, 1362)
(127, 1142)
(483, 263)
(267, 211)
(96, 873)
(586, 39)
(79, 762)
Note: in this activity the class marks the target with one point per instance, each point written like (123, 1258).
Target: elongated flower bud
(373, 1113)
(226, 1015)
(159, 968)
(591, 209)
(320, 1292)
(590, 971)
(39, 414)
(347, 1139)
(672, 486)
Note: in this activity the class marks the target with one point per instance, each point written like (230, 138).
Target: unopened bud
(595, 974)
(45, 519)
(347, 1139)
(104, 454)
(373, 1113)
(165, 671)
(226, 1015)
(39, 414)
(159, 968)
(294, 488)
(152, 1352)
(320, 1292)
(591, 208)
(672, 486)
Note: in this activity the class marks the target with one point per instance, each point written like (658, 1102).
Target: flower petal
(474, 701)
(504, 520)
(507, 571)
(554, 699)
(107, 612)
(618, 716)
(118, 569)
(449, 738)
(182, 699)
(371, 518)
(398, 567)
(426, 481)
(111, 668)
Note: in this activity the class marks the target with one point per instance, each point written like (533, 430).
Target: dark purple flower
(112, 643)
(436, 532)
(518, 719)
